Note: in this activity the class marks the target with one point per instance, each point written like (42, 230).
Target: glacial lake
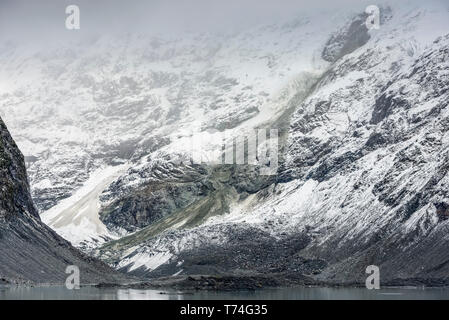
(92, 293)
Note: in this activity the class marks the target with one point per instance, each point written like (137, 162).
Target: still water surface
(92, 293)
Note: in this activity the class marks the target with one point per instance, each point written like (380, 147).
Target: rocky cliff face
(31, 251)
(14, 192)
(379, 164)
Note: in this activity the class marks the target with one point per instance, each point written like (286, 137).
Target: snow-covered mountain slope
(76, 218)
(361, 116)
(75, 107)
(79, 107)
(364, 177)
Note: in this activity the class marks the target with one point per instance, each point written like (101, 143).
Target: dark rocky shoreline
(223, 283)
(261, 281)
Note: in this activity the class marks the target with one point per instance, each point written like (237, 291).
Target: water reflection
(133, 294)
(92, 293)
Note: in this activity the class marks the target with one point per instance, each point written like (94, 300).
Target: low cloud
(28, 20)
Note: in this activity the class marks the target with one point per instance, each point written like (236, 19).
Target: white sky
(31, 20)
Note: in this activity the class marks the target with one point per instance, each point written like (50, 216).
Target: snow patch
(76, 218)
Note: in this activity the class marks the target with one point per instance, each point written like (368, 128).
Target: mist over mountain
(24, 20)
